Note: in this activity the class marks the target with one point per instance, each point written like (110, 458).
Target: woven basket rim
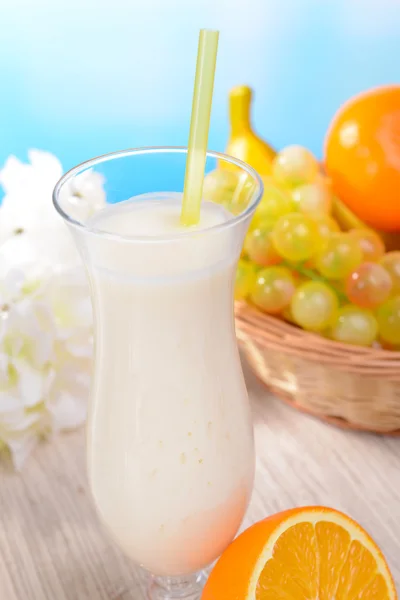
(276, 334)
(330, 420)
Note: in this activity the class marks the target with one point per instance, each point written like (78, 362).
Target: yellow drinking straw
(199, 126)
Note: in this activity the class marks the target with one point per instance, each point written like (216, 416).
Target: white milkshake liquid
(170, 440)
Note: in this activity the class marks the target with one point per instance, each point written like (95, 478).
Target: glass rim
(83, 166)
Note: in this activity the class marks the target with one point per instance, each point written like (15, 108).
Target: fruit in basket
(314, 306)
(339, 257)
(259, 246)
(326, 226)
(391, 262)
(244, 143)
(314, 199)
(388, 316)
(302, 553)
(347, 220)
(245, 277)
(362, 156)
(372, 246)
(355, 325)
(275, 202)
(296, 237)
(369, 285)
(220, 185)
(229, 188)
(294, 166)
(273, 289)
(297, 262)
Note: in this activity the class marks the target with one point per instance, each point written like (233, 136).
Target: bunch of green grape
(298, 265)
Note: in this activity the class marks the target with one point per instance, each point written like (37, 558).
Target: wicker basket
(350, 386)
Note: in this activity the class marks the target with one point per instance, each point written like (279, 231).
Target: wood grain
(52, 546)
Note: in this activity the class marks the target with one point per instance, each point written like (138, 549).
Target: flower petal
(46, 164)
(67, 412)
(10, 174)
(30, 383)
(9, 402)
(17, 421)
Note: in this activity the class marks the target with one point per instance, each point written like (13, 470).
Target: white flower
(45, 356)
(27, 205)
(45, 311)
(28, 188)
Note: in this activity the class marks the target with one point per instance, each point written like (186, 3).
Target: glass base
(177, 588)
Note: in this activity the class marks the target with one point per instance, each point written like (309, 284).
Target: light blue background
(84, 77)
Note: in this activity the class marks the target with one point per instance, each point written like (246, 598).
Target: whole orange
(362, 156)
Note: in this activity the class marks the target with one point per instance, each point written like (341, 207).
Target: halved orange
(311, 553)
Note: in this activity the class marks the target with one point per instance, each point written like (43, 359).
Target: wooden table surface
(52, 546)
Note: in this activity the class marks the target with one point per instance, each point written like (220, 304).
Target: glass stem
(188, 587)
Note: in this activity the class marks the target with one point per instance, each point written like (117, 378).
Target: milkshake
(170, 437)
(170, 448)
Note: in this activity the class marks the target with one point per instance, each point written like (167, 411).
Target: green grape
(369, 285)
(296, 237)
(355, 325)
(326, 226)
(388, 316)
(287, 315)
(273, 289)
(339, 285)
(391, 262)
(242, 194)
(245, 278)
(255, 221)
(275, 202)
(230, 188)
(339, 256)
(314, 306)
(314, 199)
(259, 247)
(370, 243)
(219, 185)
(294, 165)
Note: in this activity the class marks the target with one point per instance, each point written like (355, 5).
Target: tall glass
(170, 439)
